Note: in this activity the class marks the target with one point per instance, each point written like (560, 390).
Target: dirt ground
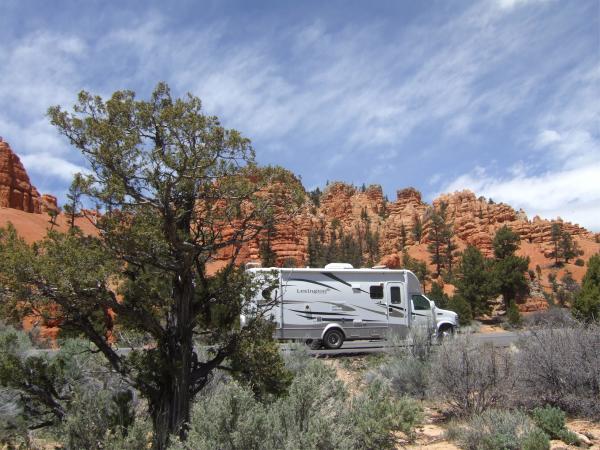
(430, 434)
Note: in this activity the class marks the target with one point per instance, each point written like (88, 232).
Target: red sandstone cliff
(475, 220)
(16, 190)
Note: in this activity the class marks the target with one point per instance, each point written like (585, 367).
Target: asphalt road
(499, 339)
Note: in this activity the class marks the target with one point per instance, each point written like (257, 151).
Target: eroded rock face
(16, 190)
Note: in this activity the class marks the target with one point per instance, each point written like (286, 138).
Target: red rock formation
(49, 203)
(475, 221)
(16, 190)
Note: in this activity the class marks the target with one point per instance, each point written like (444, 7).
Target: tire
(445, 332)
(314, 344)
(333, 339)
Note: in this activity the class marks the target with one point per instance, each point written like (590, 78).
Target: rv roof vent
(379, 267)
(339, 266)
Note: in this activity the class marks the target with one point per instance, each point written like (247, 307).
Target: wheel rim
(333, 338)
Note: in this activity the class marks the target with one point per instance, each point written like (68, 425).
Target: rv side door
(396, 305)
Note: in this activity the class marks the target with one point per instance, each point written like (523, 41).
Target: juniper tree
(474, 280)
(586, 306)
(177, 190)
(508, 268)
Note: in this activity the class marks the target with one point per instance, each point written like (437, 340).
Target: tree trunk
(170, 410)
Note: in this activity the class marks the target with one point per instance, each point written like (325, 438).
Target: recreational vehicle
(337, 303)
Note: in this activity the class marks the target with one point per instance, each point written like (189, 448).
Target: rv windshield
(420, 302)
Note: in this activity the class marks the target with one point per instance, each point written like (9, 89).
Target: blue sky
(498, 96)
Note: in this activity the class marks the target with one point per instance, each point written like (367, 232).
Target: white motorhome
(338, 302)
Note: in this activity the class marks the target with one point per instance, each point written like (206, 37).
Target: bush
(407, 366)
(552, 421)
(552, 317)
(499, 430)
(472, 377)
(315, 414)
(460, 306)
(579, 262)
(561, 367)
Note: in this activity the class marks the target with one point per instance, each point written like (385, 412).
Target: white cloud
(572, 194)
(49, 165)
(510, 4)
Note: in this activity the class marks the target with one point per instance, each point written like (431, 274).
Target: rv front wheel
(333, 339)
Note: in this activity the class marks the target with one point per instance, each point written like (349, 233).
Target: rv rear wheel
(333, 339)
(314, 344)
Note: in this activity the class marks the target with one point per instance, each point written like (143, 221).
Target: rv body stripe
(329, 313)
(333, 277)
(315, 282)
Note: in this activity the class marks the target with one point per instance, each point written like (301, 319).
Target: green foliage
(564, 247)
(315, 196)
(315, 414)
(419, 268)
(95, 417)
(461, 306)
(169, 179)
(258, 363)
(505, 243)
(474, 280)
(509, 269)
(441, 245)
(586, 305)
(579, 262)
(437, 294)
(552, 421)
(417, 228)
(513, 315)
(268, 257)
(499, 430)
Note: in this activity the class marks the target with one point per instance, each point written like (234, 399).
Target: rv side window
(420, 303)
(395, 295)
(376, 292)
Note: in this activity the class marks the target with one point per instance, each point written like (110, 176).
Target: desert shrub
(472, 377)
(552, 421)
(561, 367)
(552, 317)
(316, 413)
(499, 430)
(579, 262)
(375, 413)
(95, 417)
(407, 365)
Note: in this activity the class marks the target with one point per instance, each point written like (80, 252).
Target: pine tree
(437, 294)
(568, 247)
(555, 237)
(508, 268)
(76, 191)
(419, 268)
(403, 237)
(586, 306)
(474, 280)
(441, 245)
(417, 228)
